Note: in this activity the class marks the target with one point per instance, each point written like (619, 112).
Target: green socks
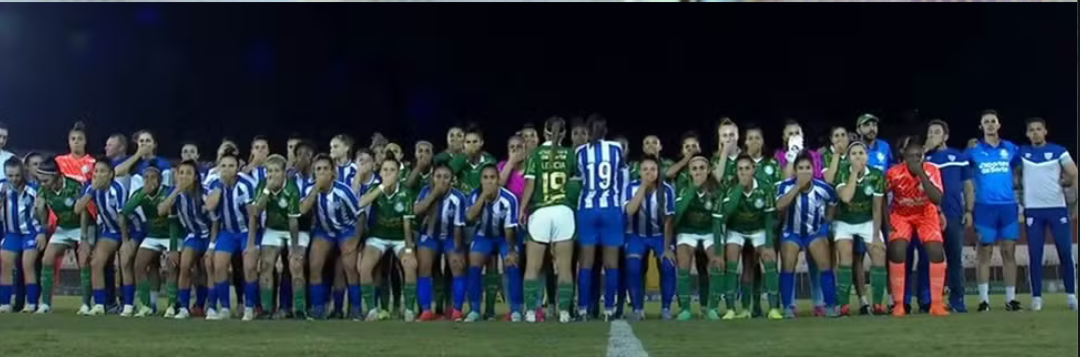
(47, 285)
(532, 294)
(878, 282)
(300, 297)
(843, 285)
(410, 295)
(84, 281)
(143, 288)
(492, 286)
(730, 283)
(682, 286)
(566, 296)
(366, 291)
(772, 284)
(266, 296)
(173, 290)
(716, 288)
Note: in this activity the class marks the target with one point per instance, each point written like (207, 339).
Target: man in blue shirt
(878, 153)
(995, 209)
(1044, 206)
(956, 183)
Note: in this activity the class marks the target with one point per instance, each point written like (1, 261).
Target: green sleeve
(571, 163)
(731, 201)
(441, 158)
(293, 195)
(174, 234)
(259, 190)
(134, 203)
(682, 203)
(879, 183)
(457, 164)
(718, 236)
(531, 168)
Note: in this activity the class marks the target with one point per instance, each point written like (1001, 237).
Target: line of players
(712, 212)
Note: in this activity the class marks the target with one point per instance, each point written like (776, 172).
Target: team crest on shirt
(769, 170)
(881, 156)
(1048, 155)
(1030, 221)
(399, 207)
(868, 190)
(1027, 155)
(758, 203)
(1064, 219)
(84, 169)
(952, 158)
(69, 202)
(1003, 153)
(708, 204)
(282, 203)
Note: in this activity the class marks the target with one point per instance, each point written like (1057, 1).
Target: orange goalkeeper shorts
(927, 226)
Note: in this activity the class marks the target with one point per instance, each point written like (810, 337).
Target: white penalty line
(623, 343)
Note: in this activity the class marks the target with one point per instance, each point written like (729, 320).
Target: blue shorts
(231, 243)
(13, 242)
(198, 244)
(334, 237)
(638, 245)
(437, 245)
(487, 246)
(602, 226)
(997, 222)
(804, 240)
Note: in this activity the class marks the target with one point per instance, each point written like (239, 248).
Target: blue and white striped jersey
(647, 222)
(345, 173)
(449, 215)
(110, 203)
(19, 214)
(498, 215)
(192, 213)
(232, 211)
(806, 214)
(335, 210)
(600, 166)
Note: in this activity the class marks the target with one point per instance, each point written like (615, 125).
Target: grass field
(1049, 333)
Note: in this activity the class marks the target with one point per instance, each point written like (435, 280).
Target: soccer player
(547, 209)
(803, 200)
(861, 189)
(59, 194)
(336, 209)
(340, 152)
(186, 203)
(455, 145)
(995, 208)
(599, 216)
(650, 209)
(21, 231)
(391, 231)
(694, 231)
(109, 196)
(748, 214)
(162, 236)
(76, 164)
(144, 155)
(256, 165)
(835, 156)
(277, 209)
(531, 138)
(916, 192)
(793, 143)
(727, 151)
(494, 212)
(420, 175)
(766, 170)
(650, 146)
(441, 209)
(955, 180)
(1044, 205)
(230, 194)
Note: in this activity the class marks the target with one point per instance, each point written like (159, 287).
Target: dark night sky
(201, 71)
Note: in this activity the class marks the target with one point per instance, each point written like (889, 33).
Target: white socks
(1010, 293)
(984, 292)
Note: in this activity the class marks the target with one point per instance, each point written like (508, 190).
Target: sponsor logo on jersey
(1003, 153)
(84, 169)
(1027, 155)
(881, 156)
(952, 158)
(1048, 155)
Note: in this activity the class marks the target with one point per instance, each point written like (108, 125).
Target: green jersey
(748, 212)
(861, 207)
(466, 173)
(694, 211)
(62, 202)
(444, 157)
(728, 181)
(281, 206)
(826, 161)
(422, 180)
(145, 207)
(389, 214)
(767, 169)
(551, 169)
(635, 169)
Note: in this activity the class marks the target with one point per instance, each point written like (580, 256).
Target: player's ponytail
(554, 131)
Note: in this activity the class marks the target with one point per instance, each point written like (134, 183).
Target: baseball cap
(866, 118)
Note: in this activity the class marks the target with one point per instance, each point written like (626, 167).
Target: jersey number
(555, 180)
(603, 175)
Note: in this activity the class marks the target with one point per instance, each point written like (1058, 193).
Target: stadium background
(199, 73)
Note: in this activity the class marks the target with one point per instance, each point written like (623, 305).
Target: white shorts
(384, 245)
(845, 231)
(756, 239)
(278, 239)
(155, 244)
(552, 224)
(69, 237)
(693, 239)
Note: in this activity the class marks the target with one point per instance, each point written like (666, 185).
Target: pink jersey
(814, 156)
(516, 182)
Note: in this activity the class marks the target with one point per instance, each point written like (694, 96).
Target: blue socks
(251, 294)
(201, 294)
(33, 292)
(5, 294)
(339, 300)
(318, 299)
(611, 286)
(515, 284)
(667, 283)
(787, 289)
(423, 292)
(99, 297)
(184, 298)
(828, 287)
(127, 294)
(584, 288)
(354, 298)
(457, 288)
(474, 288)
(223, 294)
(635, 283)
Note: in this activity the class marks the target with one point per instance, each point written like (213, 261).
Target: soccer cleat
(685, 315)
(144, 311)
(183, 314)
(249, 314)
(1014, 306)
(426, 316)
(515, 317)
(197, 312)
(745, 315)
(5, 309)
(541, 316)
(301, 315)
(409, 316)
(335, 315)
(845, 310)
(129, 311)
(209, 312)
(984, 306)
(924, 308)
(170, 312)
(224, 314)
(1036, 304)
(473, 316)
(665, 314)
(907, 309)
(729, 315)
(958, 307)
(44, 309)
(864, 310)
(789, 314)
(457, 316)
(97, 310)
(819, 311)
(1072, 303)
(564, 316)
(832, 312)
(530, 316)
(112, 309)
(938, 310)
(583, 315)
(609, 316)
(899, 311)
(385, 315)
(29, 309)
(879, 310)
(774, 314)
